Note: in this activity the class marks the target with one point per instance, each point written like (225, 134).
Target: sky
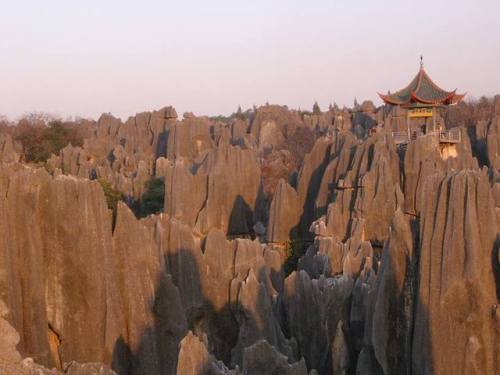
(84, 58)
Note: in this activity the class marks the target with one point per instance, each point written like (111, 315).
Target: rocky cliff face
(8, 152)
(457, 295)
(394, 252)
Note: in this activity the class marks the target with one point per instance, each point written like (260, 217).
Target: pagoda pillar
(408, 124)
(433, 119)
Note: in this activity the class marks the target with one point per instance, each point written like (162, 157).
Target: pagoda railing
(400, 137)
(447, 136)
(450, 136)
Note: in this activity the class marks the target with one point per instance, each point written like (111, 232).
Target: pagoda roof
(422, 91)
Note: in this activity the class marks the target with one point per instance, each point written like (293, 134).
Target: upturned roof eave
(411, 91)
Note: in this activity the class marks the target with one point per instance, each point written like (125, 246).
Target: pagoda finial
(421, 61)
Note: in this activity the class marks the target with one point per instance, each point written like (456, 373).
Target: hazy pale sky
(71, 57)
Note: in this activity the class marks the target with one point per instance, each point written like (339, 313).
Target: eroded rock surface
(288, 243)
(454, 325)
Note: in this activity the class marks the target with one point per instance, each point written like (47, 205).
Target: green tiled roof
(422, 90)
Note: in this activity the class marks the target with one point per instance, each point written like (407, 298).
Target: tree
(356, 105)
(316, 109)
(240, 115)
(152, 200)
(41, 140)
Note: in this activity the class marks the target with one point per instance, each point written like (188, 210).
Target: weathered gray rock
(189, 139)
(285, 120)
(75, 368)
(194, 359)
(313, 309)
(370, 182)
(239, 131)
(284, 214)
(8, 153)
(256, 319)
(71, 268)
(309, 181)
(150, 305)
(263, 359)
(9, 338)
(21, 257)
(493, 143)
(454, 326)
(185, 192)
(393, 312)
(76, 280)
(340, 352)
(221, 193)
(328, 255)
(341, 153)
(11, 362)
(359, 321)
(425, 157)
(217, 271)
(233, 182)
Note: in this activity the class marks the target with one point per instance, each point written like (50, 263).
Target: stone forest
(357, 240)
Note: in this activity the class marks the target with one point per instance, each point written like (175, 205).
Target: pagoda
(422, 99)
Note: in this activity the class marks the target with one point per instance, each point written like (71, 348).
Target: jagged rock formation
(272, 125)
(195, 359)
(399, 269)
(284, 214)
(262, 358)
(11, 362)
(142, 283)
(424, 158)
(8, 153)
(369, 180)
(312, 311)
(455, 320)
(221, 193)
(391, 330)
(492, 145)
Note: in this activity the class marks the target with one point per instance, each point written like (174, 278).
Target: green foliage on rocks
(153, 199)
(294, 249)
(113, 196)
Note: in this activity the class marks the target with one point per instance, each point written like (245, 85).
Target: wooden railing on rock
(447, 136)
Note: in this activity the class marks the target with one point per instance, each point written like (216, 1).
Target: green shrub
(112, 196)
(152, 200)
(294, 249)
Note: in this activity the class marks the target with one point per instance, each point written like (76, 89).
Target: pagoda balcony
(400, 137)
(451, 136)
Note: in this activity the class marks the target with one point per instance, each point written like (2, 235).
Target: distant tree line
(239, 114)
(41, 136)
(470, 111)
